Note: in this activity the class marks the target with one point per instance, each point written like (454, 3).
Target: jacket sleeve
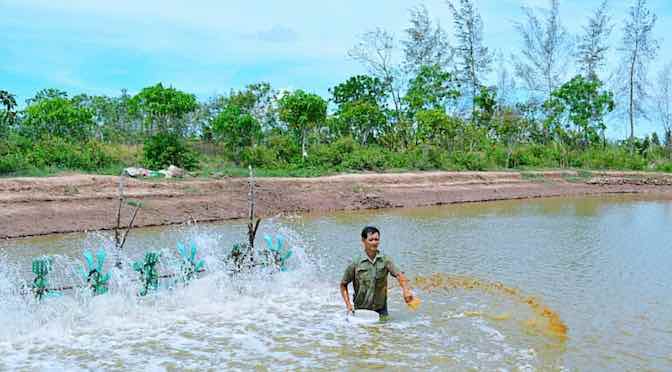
(392, 268)
(349, 274)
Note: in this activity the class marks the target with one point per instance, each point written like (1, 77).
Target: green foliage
(432, 88)
(302, 112)
(7, 113)
(360, 109)
(237, 130)
(370, 158)
(57, 152)
(609, 158)
(19, 154)
(577, 109)
(57, 117)
(664, 167)
(113, 116)
(278, 151)
(163, 108)
(256, 100)
(358, 88)
(364, 120)
(251, 127)
(261, 156)
(165, 149)
(485, 104)
(434, 126)
(46, 94)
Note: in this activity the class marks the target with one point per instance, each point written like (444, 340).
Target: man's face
(371, 242)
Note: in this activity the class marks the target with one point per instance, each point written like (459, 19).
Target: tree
(57, 116)
(512, 128)
(237, 129)
(163, 109)
(360, 108)
(663, 101)
(436, 127)
(8, 115)
(113, 117)
(506, 82)
(47, 94)
(358, 88)
(302, 112)
(167, 148)
(374, 51)
(432, 88)
(473, 57)
(546, 48)
(580, 102)
(638, 48)
(426, 44)
(593, 45)
(363, 119)
(485, 107)
(257, 100)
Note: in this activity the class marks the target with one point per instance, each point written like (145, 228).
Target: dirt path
(36, 206)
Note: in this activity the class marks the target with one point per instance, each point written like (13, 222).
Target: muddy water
(555, 284)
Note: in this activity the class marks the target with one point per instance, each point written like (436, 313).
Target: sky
(209, 47)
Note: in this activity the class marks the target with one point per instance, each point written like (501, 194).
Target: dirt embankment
(35, 206)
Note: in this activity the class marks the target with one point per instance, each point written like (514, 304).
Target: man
(368, 273)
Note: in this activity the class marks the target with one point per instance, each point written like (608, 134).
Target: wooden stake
(252, 226)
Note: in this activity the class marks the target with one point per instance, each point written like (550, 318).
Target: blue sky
(208, 47)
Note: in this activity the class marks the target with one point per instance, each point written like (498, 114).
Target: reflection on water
(555, 284)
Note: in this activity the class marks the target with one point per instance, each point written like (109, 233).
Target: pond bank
(72, 203)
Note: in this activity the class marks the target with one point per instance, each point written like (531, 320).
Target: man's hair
(369, 230)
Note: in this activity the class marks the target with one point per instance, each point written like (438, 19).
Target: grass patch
(532, 176)
(582, 176)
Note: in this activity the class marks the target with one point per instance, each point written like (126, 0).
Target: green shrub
(165, 149)
(365, 158)
(54, 153)
(428, 157)
(11, 163)
(609, 158)
(285, 148)
(397, 160)
(664, 167)
(62, 154)
(261, 157)
(473, 161)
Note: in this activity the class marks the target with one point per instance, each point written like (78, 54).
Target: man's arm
(348, 277)
(403, 281)
(346, 296)
(405, 288)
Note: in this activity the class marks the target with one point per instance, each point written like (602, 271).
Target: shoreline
(77, 203)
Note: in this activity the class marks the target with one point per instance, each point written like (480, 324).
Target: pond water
(552, 284)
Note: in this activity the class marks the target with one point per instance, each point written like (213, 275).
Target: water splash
(546, 321)
(281, 318)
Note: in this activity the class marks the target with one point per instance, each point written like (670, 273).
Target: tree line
(449, 102)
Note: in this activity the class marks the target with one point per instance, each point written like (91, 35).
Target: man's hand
(346, 297)
(408, 295)
(405, 289)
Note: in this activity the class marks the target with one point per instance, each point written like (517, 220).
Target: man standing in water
(368, 272)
